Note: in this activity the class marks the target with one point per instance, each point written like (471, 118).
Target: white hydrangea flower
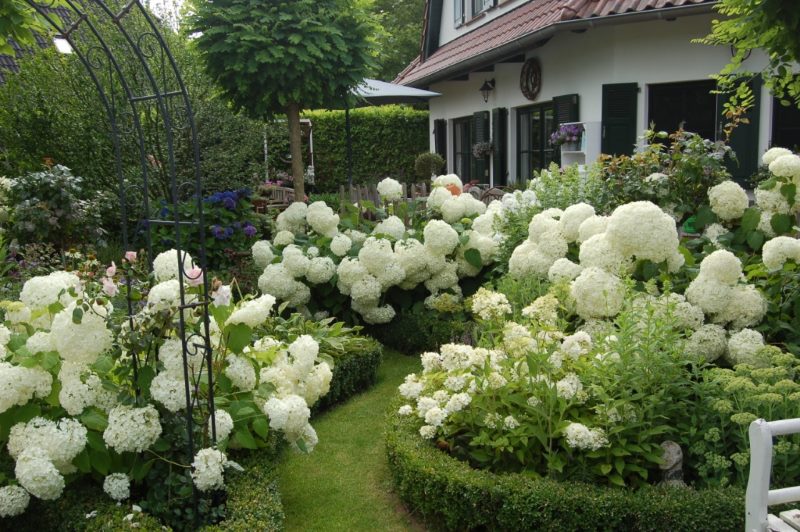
(544, 309)
(405, 410)
(165, 265)
(427, 431)
(707, 343)
(747, 307)
(576, 345)
(597, 294)
(40, 292)
(713, 232)
(340, 245)
(295, 261)
(573, 218)
(170, 354)
(81, 342)
(322, 219)
(208, 469)
(411, 387)
(169, 391)
(710, 295)
(641, 229)
(744, 347)
(435, 416)
(449, 179)
(458, 402)
(13, 501)
(17, 312)
(569, 386)
(593, 225)
(722, 266)
(390, 190)
(283, 238)
(543, 222)
(437, 197)
(132, 429)
(579, 436)
(117, 486)
(488, 305)
(440, 238)
(772, 154)
(289, 414)
(262, 253)
(597, 252)
(320, 270)
(772, 200)
(40, 342)
(293, 219)
(356, 236)
(278, 282)
(61, 441)
(223, 423)
(787, 166)
(81, 388)
(728, 200)
(241, 372)
(765, 223)
(165, 295)
(253, 312)
(19, 384)
(391, 226)
(37, 474)
(778, 250)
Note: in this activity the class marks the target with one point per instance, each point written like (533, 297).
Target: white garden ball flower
(170, 354)
(37, 474)
(787, 166)
(288, 414)
(81, 342)
(277, 282)
(444, 279)
(62, 441)
(710, 295)
(746, 309)
(322, 219)
(728, 200)
(765, 224)
(778, 250)
(132, 429)
(366, 291)
(377, 315)
(392, 227)
(597, 294)
(165, 295)
(573, 217)
(19, 384)
(262, 253)
(713, 232)
(390, 189)
(208, 469)
(38, 293)
(773, 153)
(292, 219)
(744, 348)
(283, 238)
(80, 388)
(488, 305)
(40, 342)
(449, 179)
(707, 343)
(597, 252)
(165, 265)
(13, 501)
(376, 255)
(437, 197)
(772, 200)
(169, 391)
(340, 245)
(223, 422)
(320, 270)
(593, 225)
(349, 271)
(253, 312)
(241, 372)
(563, 268)
(295, 261)
(117, 486)
(643, 230)
(440, 238)
(544, 222)
(579, 436)
(722, 266)
(453, 209)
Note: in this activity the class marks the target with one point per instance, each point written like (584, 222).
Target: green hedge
(386, 140)
(450, 495)
(352, 373)
(417, 329)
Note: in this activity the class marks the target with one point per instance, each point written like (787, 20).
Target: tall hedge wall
(386, 140)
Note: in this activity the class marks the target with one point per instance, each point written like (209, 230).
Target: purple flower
(249, 230)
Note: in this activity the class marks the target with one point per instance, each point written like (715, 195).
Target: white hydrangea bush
(69, 390)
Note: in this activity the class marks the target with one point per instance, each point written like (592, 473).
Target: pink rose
(194, 276)
(111, 270)
(109, 288)
(130, 256)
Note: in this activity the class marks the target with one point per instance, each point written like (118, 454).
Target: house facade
(615, 66)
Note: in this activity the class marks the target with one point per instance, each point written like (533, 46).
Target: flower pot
(571, 146)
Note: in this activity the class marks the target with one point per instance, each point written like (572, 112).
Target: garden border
(449, 495)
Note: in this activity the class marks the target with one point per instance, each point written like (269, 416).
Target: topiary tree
(279, 56)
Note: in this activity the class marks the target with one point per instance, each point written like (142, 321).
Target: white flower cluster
(262, 253)
(293, 219)
(165, 265)
(19, 384)
(83, 342)
(40, 292)
(13, 500)
(322, 219)
(778, 250)
(746, 347)
(579, 436)
(61, 441)
(390, 190)
(132, 429)
(208, 469)
(488, 305)
(253, 312)
(117, 486)
(718, 292)
(728, 200)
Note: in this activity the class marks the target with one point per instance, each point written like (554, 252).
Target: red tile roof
(524, 20)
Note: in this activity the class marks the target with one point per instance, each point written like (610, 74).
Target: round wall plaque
(530, 80)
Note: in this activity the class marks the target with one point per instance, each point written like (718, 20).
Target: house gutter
(524, 43)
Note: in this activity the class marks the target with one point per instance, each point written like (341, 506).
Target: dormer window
(458, 8)
(464, 10)
(479, 6)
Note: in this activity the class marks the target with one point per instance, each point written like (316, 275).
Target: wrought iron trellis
(147, 104)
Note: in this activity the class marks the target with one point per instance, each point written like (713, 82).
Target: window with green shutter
(480, 133)
(618, 135)
(744, 139)
(535, 124)
(500, 140)
(440, 139)
(462, 148)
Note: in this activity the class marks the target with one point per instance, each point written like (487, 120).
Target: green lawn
(345, 483)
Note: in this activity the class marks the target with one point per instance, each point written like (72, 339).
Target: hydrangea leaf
(705, 216)
(261, 427)
(95, 419)
(243, 438)
(239, 336)
(473, 257)
(755, 240)
(750, 219)
(789, 191)
(781, 223)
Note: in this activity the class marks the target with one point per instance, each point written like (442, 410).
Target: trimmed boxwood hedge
(353, 372)
(449, 495)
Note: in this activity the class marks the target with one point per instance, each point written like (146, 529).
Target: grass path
(345, 483)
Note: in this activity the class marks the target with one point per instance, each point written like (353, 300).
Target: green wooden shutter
(440, 137)
(744, 140)
(619, 118)
(566, 108)
(499, 137)
(480, 133)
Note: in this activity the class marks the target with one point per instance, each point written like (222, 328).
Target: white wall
(448, 30)
(643, 52)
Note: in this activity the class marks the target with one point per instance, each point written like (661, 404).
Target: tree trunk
(296, 149)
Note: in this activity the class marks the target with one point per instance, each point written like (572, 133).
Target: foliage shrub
(428, 164)
(230, 227)
(384, 139)
(417, 328)
(54, 207)
(449, 495)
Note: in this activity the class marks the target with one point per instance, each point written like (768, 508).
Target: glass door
(534, 151)
(462, 151)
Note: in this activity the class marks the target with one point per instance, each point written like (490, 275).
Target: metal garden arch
(100, 34)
